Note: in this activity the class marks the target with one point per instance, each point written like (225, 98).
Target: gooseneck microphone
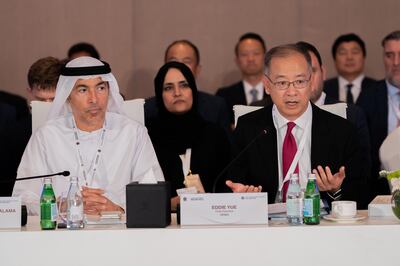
(262, 133)
(64, 173)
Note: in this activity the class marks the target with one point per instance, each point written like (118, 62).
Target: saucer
(356, 218)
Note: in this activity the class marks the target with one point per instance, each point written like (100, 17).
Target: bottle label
(53, 210)
(294, 207)
(308, 208)
(75, 213)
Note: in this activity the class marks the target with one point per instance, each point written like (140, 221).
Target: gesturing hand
(328, 182)
(238, 187)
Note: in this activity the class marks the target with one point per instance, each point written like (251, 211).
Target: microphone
(64, 173)
(24, 212)
(262, 133)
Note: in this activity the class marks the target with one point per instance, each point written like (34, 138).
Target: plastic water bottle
(48, 206)
(74, 206)
(294, 201)
(311, 201)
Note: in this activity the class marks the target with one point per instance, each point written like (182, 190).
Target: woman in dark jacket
(179, 131)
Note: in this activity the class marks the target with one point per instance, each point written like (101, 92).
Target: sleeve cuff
(335, 196)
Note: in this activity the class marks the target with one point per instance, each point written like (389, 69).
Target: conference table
(372, 241)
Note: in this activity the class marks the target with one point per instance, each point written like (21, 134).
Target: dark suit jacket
(14, 136)
(357, 117)
(211, 108)
(235, 95)
(331, 88)
(378, 129)
(19, 103)
(334, 144)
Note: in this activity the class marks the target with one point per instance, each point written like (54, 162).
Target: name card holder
(224, 208)
(10, 212)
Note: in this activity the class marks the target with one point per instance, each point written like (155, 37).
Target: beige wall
(132, 35)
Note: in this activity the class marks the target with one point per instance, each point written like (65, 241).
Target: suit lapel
(335, 92)
(267, 155)
(241, 94)
(319, 131)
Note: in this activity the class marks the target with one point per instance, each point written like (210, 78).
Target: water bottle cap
(312, 177)
(73, 179)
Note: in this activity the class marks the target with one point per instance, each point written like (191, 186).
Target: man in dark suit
(249, 51)
(351, 85)
(385, 111)
(42, 80)
(212, 108)
(327, 144)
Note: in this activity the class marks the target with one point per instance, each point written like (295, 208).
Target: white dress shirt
(248, 87)
(355, 90)
(298, 131)
(393, 106)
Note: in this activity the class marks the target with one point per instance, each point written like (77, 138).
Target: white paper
(10, 212)
(224, 208)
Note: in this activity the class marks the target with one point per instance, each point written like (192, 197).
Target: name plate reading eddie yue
(10, 212)
(224, 208)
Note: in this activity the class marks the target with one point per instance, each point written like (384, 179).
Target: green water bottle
(312, 198)
(48, 206)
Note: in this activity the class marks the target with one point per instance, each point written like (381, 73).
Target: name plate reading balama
(224, 208)
(10, 212)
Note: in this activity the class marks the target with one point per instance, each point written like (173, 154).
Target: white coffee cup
(344, 209)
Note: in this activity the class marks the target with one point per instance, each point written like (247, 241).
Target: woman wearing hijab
(185, 144)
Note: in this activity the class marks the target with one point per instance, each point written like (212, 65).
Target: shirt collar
(356, 82)
(392, 90)
(321, 99)
(247, 86)
(301, 121)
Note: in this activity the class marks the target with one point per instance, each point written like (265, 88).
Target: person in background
(185, 142)
(42, 79)
(351, 85)
(82, 49)
(386, 106)
(249, 51)
(211, 108)
(88, 134)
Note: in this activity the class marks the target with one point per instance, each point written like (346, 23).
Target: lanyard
(185, 158)
(296, 158)
(96, 158)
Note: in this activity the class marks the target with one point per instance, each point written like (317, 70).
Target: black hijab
(175, 131)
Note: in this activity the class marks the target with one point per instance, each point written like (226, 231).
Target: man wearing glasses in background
(327, 144)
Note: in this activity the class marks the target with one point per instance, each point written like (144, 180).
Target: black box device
(148, 205)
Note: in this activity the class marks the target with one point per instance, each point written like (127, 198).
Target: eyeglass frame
(289, 83)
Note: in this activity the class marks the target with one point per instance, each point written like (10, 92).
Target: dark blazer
(211, 108)
(357, 117)
(378, 129)
(334, 143)
(14, 135)
(235, 95)
(331, 88)
(19, 103)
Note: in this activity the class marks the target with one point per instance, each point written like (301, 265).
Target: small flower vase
(396, 202)
(394, 184)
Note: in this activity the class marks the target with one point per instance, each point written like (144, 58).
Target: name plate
(224, 208)
(10, 212)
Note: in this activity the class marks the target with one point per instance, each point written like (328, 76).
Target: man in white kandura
(88, 134)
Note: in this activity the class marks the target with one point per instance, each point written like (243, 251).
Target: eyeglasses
(284, 84)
